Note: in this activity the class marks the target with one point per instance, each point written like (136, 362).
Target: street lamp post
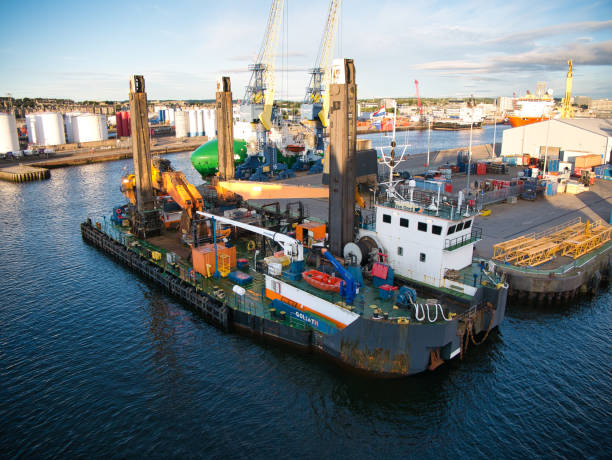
(428, 140)
(470, 153)
(495, 128)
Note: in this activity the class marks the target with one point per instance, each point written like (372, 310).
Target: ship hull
(454, 125)
(522, 121)
(372, 346)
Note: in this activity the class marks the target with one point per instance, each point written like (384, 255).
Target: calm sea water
(416, 141)
(94, 361)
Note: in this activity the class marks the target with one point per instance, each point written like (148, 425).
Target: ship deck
(368, 303)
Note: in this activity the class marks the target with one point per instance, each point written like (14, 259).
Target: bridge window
(400, 251)
(467, 224)
(422, 257)
(451, 229)
(403, 222)
(436, 230)
(387, 218)
(422, 226)
(459, 226)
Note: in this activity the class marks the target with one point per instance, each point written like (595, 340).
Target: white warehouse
(581, 136)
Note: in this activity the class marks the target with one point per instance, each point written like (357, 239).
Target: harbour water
(416, 141)
(96, 361)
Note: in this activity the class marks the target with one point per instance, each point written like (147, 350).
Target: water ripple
(94, 359)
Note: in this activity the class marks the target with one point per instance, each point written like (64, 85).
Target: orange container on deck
(314, 230)
(203, 257)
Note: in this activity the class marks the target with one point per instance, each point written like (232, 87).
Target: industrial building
(574, 137)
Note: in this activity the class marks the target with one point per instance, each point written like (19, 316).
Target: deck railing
(450, 244)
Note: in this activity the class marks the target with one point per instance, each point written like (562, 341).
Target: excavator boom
(172, 183)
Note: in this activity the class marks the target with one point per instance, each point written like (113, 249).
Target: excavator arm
(173, 183)
(182, 191)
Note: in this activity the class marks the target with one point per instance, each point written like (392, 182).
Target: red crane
(416, 82)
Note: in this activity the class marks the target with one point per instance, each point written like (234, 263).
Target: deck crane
(315, 107)
(292, 248)
(259, 96)
(416, 83)
(567, 111)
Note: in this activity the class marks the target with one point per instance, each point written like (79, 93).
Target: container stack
(551, 188)
(603, 172)
(496, 168)
(531, 189)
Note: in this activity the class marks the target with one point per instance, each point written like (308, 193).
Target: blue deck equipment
(348, 289)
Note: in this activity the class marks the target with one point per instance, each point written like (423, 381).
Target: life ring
(251, 245)
(118, 211)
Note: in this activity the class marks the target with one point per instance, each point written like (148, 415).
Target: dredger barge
(381, 322)
(406, 294)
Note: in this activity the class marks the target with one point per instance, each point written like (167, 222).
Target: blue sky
(87, 50)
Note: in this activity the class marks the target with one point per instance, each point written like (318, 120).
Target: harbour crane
(567, 111)
(416, 83)
(315, 108)
(259, 96)
(257, 104)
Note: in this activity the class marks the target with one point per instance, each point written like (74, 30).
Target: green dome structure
(205, 159)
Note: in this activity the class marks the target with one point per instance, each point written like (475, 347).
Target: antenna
(389, 160)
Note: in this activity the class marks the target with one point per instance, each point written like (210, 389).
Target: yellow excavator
(167, 182)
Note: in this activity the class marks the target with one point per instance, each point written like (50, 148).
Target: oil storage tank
(45, 128)
(199, 122)
(89, 127)
(210, 123)
(9, 141)
(193, 124)
(68, 119)
(181, 123)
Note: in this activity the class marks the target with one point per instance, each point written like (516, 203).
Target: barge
(410, 298)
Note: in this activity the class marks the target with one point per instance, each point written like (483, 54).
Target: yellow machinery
(173, 183)
(224, 265)
(573, 239)
(594, 236)
(506, 250)
(567, 111)
(538, 253)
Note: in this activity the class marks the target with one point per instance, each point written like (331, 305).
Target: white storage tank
(68, 120)
(89, 127)
(181, 123)
(46, 128)
(199, 122)
(210, 123)
(171, 114)
(193, 124)
(31, 127)
(9, 141)
(103, 127)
